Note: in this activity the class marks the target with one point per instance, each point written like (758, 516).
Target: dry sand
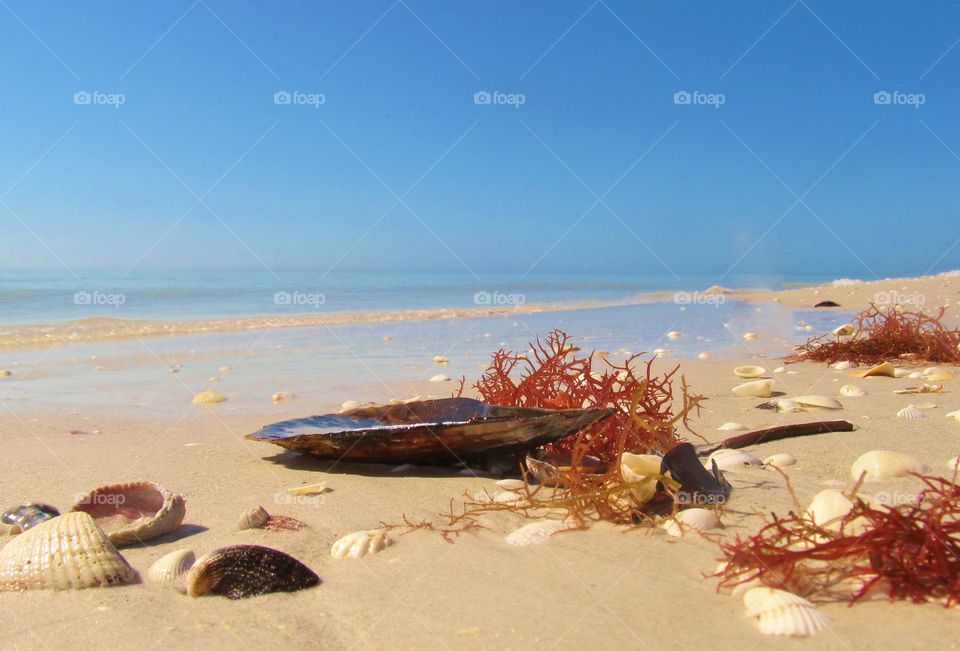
(600, 588)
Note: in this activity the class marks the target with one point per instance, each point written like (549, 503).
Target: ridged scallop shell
(884, 464)
(823, 402)
(209, 397)
(749, 371)
(535, 533)
(733, 427)
(172, 568)
(727, 459)
(828, 508)
(911, 412)
(247, 570)
(253, 519)
(360, 543)
(757, 388)
(27, 515)
(852, 391)
(691, 519)
(885, 369)
(779, 612)
(133, 512)
(780, 460)
(66, 552)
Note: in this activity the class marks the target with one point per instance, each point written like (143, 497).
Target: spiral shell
(66, 552)
(360, 543)
(248, 570)
(779, 612)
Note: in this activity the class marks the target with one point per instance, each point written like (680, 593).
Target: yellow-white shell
(360, 543)
(828, 508)
(535, 533)
(780, 460)
(209, 397)
(691, 519)
(884, 464)
(749, 336)
(66, 552)
(440, 377)
(172, 569)
(845, 330)
(749, 371)
(939, 377)
(253, 519)
(756, 389)
(440, 359)
(779, 612)
(5, 373)
(674, 334)
(852, 391)
(954, 464)
(843, 366)
(309, 489)
(786, 406)
(934, 370)
(727, 459)
(823, 402)
(884, 369)
(703, 356)
(641, 470)
(732, 427)
(911, 412)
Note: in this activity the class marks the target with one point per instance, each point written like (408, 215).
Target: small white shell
(732, 427)
(535, 533)
(749, 336)
(511, 484)
(749, 371)
(780, 460)
(911, 412)
(253, 519)
(852, 391)
(695, 519)
(280, 396)
(843, 366)
(824, 402)
(209, 398)
(828, 507)
(440, 359)
(360, 543)
(953, 414)
(172, 568)
(757, 389)
(350, 404)
(954, 463)
(916, 375)
(845, 330)
(884, 464)
(309, 489)
(440, 377)
(674, 334)
(789, 406)
(934, 370)
(727, 459)
(779, 612)
(901, 372)
(780, 369)
(703, 356)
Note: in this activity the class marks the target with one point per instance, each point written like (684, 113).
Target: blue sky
(797, 171)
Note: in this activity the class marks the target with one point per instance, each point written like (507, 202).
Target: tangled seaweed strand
(910, 551)
(884, 335)
(557, 378)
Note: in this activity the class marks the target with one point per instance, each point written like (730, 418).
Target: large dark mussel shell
(438, 432)
(248, 570)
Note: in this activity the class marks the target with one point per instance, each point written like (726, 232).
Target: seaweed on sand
(882, 335)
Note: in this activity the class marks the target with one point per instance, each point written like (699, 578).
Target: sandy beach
(602, 587)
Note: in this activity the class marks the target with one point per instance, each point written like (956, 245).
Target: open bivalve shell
(779, 612)
(133, 512)
(755, 389)
(248, 570)
(884, 464)
(750, 371)
(66, 552)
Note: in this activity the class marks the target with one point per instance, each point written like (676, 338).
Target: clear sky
(782, 160)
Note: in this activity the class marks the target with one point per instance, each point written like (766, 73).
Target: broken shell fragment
(852, 391)
(749, 371)
(823, 402)
(642, 471)
(691, 519)
(884, 464)
(788, 406)
(360, 543)
(885, 369)
(779, 612)
(749, 336)
(172, 568)
(780, 460)
(209, 397)
(133, 512)
(440, 359)
(310, 489)
(28, 515)
(247, 570)
(65, 552)
(757, 388)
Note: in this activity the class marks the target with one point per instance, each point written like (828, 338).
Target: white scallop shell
(749, 371)
(733, 427)
(727, 459)
(885, 369)
(779, 612)
(66, 552)
(440, 377)
(209, 398)
(828, 508)
(172, 568)
(884, 464)
(360, 543)
(253, 519)
(824, 402)
(757, 389)
(535, 533)
(695, 519)
(780, 460)
(911, 412)
(852, 391)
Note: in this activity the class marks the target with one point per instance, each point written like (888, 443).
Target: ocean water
(49, 297)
